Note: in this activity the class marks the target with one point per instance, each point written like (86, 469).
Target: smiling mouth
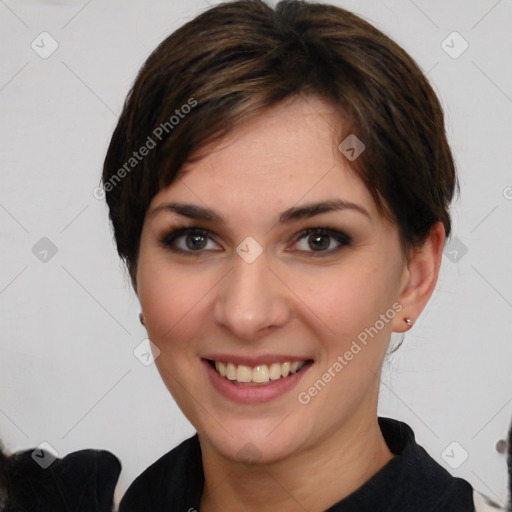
(259, 375)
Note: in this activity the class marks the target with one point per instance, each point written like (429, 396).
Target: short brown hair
(239, 58)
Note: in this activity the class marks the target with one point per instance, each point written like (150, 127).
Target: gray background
(69, 320)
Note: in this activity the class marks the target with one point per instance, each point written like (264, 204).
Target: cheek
(171, 298)
(345, 299)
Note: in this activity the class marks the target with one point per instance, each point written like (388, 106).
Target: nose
(252, 299)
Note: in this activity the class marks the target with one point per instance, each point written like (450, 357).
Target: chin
(255, 446)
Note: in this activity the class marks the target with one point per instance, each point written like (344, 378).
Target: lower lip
(254, 394)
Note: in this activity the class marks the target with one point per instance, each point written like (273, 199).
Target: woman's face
(255, 288)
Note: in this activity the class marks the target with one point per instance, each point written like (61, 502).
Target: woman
(279, 184)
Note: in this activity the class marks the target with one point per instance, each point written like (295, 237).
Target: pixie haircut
(238, 59)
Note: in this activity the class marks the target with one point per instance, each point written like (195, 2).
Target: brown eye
(190, 240)
(321, 241)
(194, 241)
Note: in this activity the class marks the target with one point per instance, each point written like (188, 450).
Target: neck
(338, 464)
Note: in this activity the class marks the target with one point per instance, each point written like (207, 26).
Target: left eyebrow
(309, 210)
(312, 209)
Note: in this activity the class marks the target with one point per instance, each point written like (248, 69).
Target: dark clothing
(410, 482)
(36, 481)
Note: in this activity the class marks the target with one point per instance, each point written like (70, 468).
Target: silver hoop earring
(408, 321)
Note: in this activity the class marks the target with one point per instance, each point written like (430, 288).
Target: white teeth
(259, 374)
(221, 368)
(294, 366)
(275, 371)
(231, 371)
(243, 373)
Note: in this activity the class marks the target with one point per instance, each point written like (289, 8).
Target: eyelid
(322, 230)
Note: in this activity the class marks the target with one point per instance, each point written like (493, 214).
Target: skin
(284, 302)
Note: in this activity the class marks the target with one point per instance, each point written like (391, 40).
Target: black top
(411, 481)
(34, 480)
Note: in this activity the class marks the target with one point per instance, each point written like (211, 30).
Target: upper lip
(253, 360)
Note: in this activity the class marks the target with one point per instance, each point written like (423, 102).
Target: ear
(420, 277)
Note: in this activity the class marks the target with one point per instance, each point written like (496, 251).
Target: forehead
(285, 155)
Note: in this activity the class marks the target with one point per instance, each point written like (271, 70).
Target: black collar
(411, 481)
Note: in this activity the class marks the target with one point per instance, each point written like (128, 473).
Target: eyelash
(176, 232)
